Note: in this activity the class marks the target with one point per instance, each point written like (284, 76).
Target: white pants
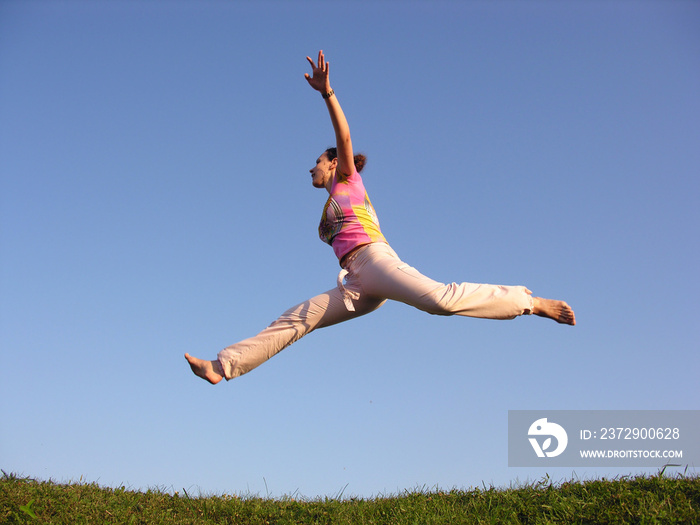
(374, 274)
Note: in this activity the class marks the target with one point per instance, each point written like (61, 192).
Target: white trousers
(374, 274)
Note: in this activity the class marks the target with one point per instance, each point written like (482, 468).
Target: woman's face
(323, 171)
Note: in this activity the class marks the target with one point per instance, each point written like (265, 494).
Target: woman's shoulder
(353, 178)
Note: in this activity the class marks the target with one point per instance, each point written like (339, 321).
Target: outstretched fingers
(322, 64)
(318, 79)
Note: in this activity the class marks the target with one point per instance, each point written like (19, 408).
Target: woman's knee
(439, 301)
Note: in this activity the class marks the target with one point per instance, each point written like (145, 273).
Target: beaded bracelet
(328, 95)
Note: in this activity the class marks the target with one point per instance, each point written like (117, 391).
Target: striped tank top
(348, 219)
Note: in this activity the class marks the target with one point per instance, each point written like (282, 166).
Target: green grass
(645, 499)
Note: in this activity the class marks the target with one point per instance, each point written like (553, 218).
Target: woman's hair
(359, 159)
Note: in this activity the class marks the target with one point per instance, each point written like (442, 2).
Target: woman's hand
(319, 81)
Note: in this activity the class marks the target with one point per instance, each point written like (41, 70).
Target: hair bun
(360, 160)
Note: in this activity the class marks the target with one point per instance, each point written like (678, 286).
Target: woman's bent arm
(320, 82)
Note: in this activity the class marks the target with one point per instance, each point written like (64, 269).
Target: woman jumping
(371, 271)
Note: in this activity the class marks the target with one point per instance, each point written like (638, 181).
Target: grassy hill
(648, 499)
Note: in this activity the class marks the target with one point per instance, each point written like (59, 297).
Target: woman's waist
(347, 259)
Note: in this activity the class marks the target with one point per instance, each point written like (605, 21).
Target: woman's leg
(383, 274)
(323, 310)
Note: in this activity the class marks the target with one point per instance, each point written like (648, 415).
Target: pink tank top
(348, 219)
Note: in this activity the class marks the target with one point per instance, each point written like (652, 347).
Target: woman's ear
(334, 163)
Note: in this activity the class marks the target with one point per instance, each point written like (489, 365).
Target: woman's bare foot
(212, 371)
(553, 309)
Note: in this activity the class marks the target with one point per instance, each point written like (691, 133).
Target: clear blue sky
(155, 200)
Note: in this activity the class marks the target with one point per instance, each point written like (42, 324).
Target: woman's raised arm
(321, 83)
